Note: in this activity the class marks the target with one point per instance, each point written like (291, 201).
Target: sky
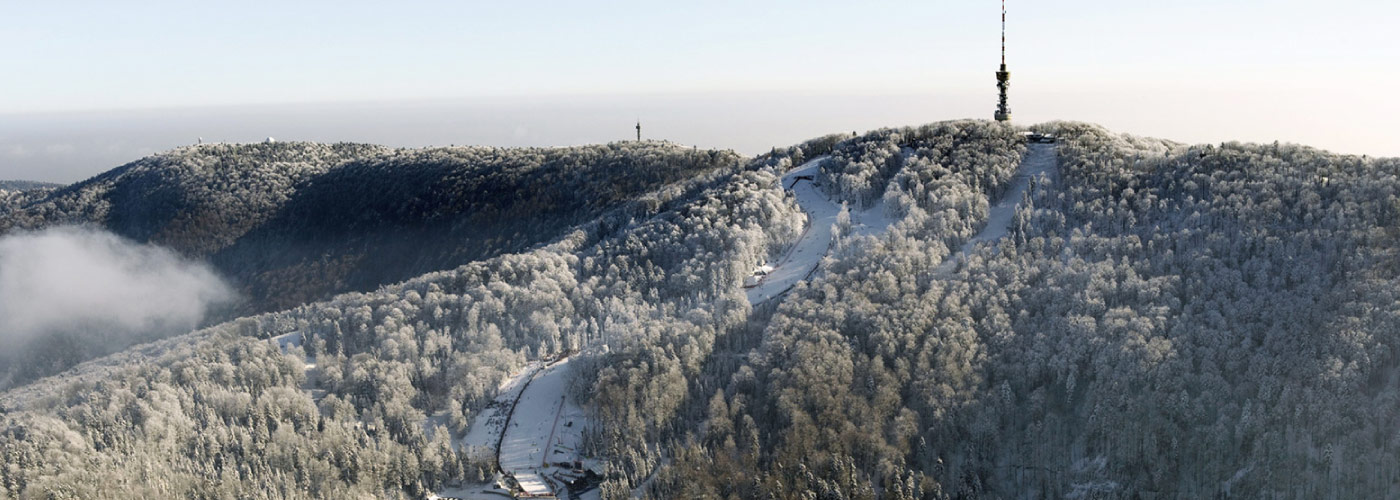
(92, 85)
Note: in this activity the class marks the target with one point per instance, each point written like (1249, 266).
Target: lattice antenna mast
(1003, 76)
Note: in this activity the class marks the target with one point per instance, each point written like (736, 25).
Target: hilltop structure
(1003, 76)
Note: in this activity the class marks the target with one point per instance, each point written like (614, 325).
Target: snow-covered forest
(294, 223)
(1169, 321)
(1161, 321)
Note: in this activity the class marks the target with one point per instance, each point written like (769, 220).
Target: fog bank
(70, 279)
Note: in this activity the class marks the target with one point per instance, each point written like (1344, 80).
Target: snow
(806, 254)
(1040, 161)
(546, 428)
(759, 272)
(872, 221)
(875, 220)
(487, 426)
(473, 492)
(287, 341)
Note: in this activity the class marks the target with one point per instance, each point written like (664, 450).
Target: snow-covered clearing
(806, 254)
(291, 344)
(872, 221)
(286, 342)
(1040, 161)
(487, 426)
(544, 429)
(485, 433)
(802, 260)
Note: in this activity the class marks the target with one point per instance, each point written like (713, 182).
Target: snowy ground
(287, 343)
(487, 426)
(486, 429)
(804, 256)
(872, 221)
(485, 492)
(545, 429)
(1040, 161)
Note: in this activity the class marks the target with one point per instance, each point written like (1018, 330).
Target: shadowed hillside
(295, 222)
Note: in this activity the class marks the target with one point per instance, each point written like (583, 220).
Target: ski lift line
(549, 443)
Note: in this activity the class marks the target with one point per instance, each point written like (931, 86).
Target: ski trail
(806, 254)
(1040, 161)
(803, 260)
(545, 429)
(534, 427)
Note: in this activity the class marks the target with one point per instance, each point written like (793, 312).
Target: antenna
(1003, 76)
(1003, 31)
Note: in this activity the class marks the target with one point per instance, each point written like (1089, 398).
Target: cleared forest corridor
(1041, 161)
(806, 254)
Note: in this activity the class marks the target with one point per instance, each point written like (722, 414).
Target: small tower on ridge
(639, 131)
(1003, 76)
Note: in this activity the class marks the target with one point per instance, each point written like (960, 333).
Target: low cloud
(71, 279)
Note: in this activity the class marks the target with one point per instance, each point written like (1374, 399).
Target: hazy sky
(91, 85)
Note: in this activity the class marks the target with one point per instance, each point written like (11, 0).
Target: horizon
(106, 85)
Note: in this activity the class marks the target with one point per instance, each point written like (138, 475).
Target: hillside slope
(292, 223)
(297, 222)
(1165, 322)
(26, 185)
(438, 343)
(1161, 321)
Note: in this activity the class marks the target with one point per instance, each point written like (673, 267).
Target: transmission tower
(1003, 76)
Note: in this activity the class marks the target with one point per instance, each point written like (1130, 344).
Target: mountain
(290, 223)
(1109, 316)
(296, 222)
(26, 185)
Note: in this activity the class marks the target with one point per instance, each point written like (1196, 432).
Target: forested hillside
(1162, 321)
(25, 185)
(253, 423)
(291, 223)
(1168, 322)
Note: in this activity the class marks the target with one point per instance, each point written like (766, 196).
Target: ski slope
(486, 428)
(807, 253)
(546, 429)
(1040, 161)
(872, 221)
(802, 260)
(485, 432)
